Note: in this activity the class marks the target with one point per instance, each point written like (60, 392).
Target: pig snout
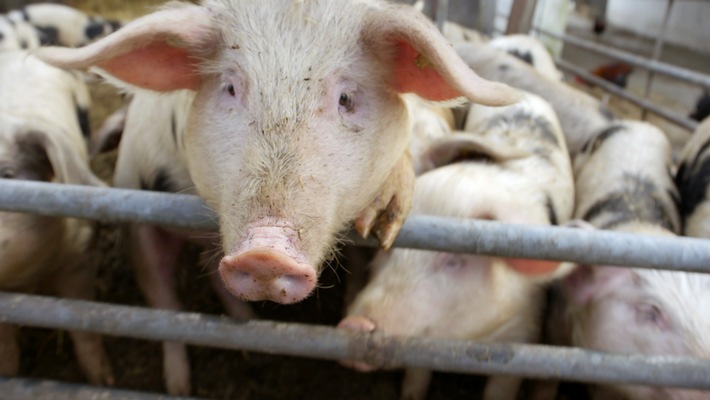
(358, 324)
(267, 266)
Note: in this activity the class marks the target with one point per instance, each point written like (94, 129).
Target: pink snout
(264, 273)
(361, 324)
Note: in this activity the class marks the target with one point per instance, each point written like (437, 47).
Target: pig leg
(9, 350)
(155, 255)
(234, 307)
(415, 383)
(386, 214)
(502, 387)
(78, 283)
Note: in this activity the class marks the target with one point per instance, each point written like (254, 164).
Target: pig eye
(652, 315)
(454, 262)
(230, 90)
(346, 102)
(7, 173)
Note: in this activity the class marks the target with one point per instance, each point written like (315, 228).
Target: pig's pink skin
(268, 265)
(357, 324)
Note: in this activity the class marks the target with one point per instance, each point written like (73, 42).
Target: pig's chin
(268, 264)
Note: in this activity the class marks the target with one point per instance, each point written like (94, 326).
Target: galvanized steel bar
(311, 341)
(641, 62)
(22, 388)
(442, 13)
(657, 48)
(420, 231)
(645, 104)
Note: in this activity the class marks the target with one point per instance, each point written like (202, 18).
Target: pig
(692, 180)
(41, 140)
(17, 35)
(530, 50)
(631, 310)
(457, 34)
(582, 117)
(430, 122)
(513, 168)
(64, 25)
(286, 141)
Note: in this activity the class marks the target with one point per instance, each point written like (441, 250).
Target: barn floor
(224, 374)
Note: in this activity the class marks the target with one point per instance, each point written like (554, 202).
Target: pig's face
(297, 126)
(641, 311)
(304, 146)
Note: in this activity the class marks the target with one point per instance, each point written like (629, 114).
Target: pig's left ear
(424, 62)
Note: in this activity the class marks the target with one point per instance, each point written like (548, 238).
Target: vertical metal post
(521, 15)
(487, 11)
(442, 13)
(657, 53)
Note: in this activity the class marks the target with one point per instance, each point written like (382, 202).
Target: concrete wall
(689, 24)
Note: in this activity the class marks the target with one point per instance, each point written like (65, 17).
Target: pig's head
(626, 310)
(298, 124)
(463, 296)
(36, 152)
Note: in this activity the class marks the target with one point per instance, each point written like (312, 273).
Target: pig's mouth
(268, 266)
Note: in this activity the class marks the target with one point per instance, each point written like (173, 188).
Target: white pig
(63, 25)
(530, 50)
(692, 179)
(17, 35)
(632, 310)
(429, 124)
(287, 141)
(581, 115)
(41, 139)
(514, 168)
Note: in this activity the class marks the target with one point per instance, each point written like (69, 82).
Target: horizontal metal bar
(311, 341)
(677, 119)
(419, 231)
(22, 388)
(641, 62)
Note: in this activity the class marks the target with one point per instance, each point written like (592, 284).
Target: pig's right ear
(465, 146)
(160, 51)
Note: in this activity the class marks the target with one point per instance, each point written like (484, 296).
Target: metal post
(442, 13)
(657, 53)
(520, 17)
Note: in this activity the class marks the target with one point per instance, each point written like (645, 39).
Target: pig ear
(159, 51)
(69, 166)
(424, 62)
(587, 282)
(463, 146)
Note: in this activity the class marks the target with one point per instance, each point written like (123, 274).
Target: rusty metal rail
(420, 231)
(322, 342)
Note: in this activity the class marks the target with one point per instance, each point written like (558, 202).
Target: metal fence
(481, 237)
(425, 232)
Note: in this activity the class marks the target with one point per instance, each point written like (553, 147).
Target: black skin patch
(48, 35)
(115, 25)
(503, 67)
(595, 142)
(33, 162)
(551, 213)
(160, 183)
(523, 55)
(638, 200)
(539, 125)
(692, 181)
(173, 127)
(94, 29)
(702, 107)
(82, 115)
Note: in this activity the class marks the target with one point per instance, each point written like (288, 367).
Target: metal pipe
(419, 231)
(677, 119)
(21, 388)
(442, 13)
(641, 62)
(376, 349)
(657, 48)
